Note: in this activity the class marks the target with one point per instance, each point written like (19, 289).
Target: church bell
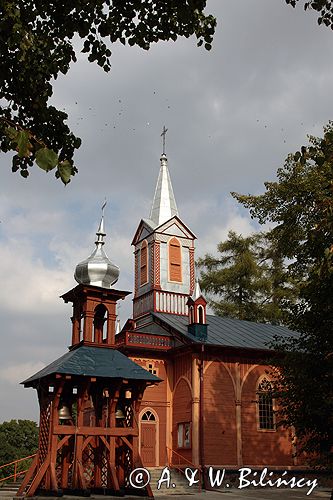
(64, 413)
(119, 414)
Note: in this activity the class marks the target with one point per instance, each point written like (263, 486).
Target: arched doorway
(149, 438)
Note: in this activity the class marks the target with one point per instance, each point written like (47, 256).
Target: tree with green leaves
(18, 439)
(300, 205)
(247, 280)
(37, 44)
(323, 7)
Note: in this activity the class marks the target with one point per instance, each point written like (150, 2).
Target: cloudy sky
(233, 114)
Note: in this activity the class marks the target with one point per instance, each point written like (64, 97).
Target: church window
(144, 263)
(191, 315)
(175, 261)
(148, 416)
(184, 435)
(265, 405)
(201, 315)
(151, 368)
(100, 330)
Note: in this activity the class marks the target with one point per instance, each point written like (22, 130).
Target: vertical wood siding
(219, 417)
(182, 412)
(261, 447)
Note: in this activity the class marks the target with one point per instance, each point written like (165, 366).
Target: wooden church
(214, 405)
(176, 386)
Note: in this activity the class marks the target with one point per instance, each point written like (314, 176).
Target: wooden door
(148, 437)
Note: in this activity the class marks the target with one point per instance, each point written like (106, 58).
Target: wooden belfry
(90, 397)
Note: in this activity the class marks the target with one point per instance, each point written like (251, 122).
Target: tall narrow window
(200, 315)
(191, 315)
(175, 261)
(265, 405)
(144, 263)
(100, 331)
(184, 435)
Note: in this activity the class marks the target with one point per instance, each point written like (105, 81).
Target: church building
(176, 386)
(214, 405)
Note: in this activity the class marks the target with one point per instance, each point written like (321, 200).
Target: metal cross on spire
(104, 205)
(163, 134)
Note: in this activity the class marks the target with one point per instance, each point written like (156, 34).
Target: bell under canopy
(97, 269)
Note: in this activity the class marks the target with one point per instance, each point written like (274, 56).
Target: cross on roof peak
(163, 134)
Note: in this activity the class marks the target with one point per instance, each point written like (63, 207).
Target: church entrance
(148, 438)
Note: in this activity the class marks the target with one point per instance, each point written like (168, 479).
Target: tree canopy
(37, 44)
(300, 204)
(18, 439)
(323, 7)
(248, 280)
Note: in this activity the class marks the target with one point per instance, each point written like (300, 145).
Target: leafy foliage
(18, 439)
(300, 204)
(323, 7)
(37, 43)
(248, 280)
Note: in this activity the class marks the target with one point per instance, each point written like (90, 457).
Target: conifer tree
(300, 205)
(247, 280)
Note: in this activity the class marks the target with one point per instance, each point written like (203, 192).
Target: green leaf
(65, 171)
(11, 132)
(46, 159)
(23, 143)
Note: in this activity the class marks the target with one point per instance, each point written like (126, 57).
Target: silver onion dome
(97, 269)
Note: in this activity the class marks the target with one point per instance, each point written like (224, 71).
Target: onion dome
(97, 270)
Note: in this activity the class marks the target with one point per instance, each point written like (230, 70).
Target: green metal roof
(229, 332)
(94, 362)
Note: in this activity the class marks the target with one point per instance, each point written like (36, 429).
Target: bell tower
(163, 254)
(94, 302)
(90, 397)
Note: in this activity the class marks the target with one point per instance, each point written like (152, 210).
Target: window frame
(178, 265)
(144, 245)
(185, 438)
(265, 407)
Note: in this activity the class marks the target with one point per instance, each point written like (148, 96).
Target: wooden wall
(181, 413)
(261, 447)
(231, 434)
(219, 416)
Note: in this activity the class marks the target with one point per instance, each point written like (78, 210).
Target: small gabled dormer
(197, 325)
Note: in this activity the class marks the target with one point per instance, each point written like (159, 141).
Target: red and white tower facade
(164, 255)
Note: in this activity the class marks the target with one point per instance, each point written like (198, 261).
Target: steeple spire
(164, 204)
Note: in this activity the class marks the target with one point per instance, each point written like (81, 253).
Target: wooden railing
(16, 472)
(144, 340)
(182, 462)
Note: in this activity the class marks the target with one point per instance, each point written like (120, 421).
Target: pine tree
(247, 280)
(300, 204)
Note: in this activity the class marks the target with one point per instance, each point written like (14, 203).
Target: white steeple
(164, 204)
(197, 291)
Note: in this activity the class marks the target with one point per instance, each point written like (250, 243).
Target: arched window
(191, 315)
(265, 405)
(175, 261)
(100, 332)
(144, 263)
(148, 416)
(201, 315)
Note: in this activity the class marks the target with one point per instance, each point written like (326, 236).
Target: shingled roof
(229, 332)
(94, 362)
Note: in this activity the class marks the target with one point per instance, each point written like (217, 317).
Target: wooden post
(238, 417)
(195, 412)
